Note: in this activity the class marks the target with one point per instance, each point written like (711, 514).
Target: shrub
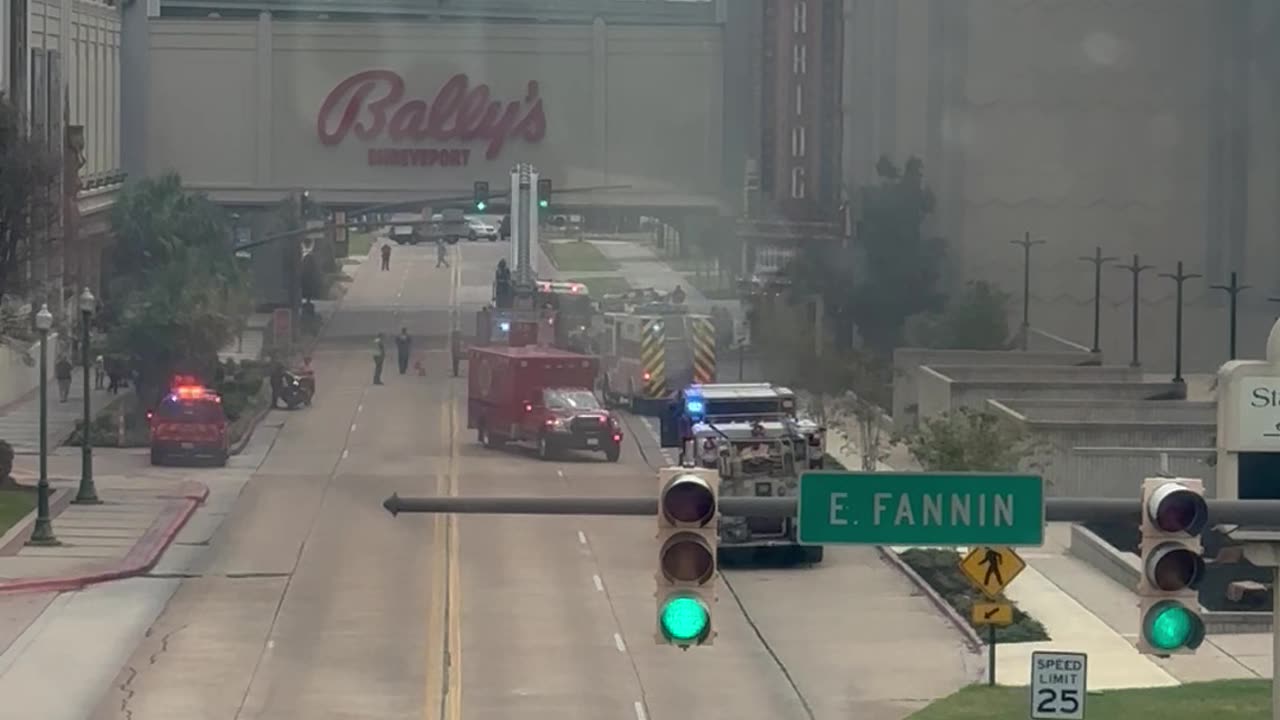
(941, 569)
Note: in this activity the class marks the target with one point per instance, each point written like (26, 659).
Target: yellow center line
(444, 624)
(453, 690)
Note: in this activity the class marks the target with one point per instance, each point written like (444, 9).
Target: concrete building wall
(248, 109)
(1144, 126)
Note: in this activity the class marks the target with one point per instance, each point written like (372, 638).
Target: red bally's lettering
(372, 103)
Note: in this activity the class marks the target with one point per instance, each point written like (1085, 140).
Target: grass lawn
(1219, 700)
(604, 285)
(578, 256)
(359, 243)
(14, 505)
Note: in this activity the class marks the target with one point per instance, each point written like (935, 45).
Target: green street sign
(906, 508)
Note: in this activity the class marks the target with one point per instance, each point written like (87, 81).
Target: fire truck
(751, 433)
(539, 395)
(649, 350)
(562, 319)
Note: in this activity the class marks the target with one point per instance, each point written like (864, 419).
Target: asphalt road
(312, 602)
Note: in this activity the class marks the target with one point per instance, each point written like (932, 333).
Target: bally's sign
(1257, 408)
(375, 108)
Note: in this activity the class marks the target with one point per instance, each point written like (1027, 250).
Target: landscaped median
(577, 256)
(1218, 700)
(940, 569)
(607, 285)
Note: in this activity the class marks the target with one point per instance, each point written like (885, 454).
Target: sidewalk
(1085, 611)
(139, 516)
(20, 421)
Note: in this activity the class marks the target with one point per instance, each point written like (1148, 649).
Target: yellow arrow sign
(985, 613)
(991, 569)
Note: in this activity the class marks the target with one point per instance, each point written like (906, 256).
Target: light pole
(1179, 278)
(1026, 243)
(88, 493)
(42, 533)
(1233, 289)
(1135, 268)
(1098, 261)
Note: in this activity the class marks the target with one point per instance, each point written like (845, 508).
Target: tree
(977, 319)
(28, 192)
(179, 297)
(968, 440)
(892, 270)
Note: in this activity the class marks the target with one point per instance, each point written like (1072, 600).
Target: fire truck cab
(750, 432)
(189, 423)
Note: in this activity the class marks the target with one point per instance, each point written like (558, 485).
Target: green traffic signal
(1170, 625)
(543, 204)
(685, 619)
(481, 205)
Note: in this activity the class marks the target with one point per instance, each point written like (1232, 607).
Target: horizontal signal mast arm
(1221, 512)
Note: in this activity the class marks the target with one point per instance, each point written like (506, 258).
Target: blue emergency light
(694, 406)
(504, 326)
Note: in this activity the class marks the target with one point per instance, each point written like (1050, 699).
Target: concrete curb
(966, 630)
(16, 537)
(141, 557)
(247, 436)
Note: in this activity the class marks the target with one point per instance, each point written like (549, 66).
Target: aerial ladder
(514, 317)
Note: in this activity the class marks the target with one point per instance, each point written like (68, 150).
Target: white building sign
(1258, 413)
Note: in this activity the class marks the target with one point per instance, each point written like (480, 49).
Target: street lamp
(88, 493)
(42, 533)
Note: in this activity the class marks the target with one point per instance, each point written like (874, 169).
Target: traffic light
(688, 516)
(544, 193)
(481, 192)
(1174, 514)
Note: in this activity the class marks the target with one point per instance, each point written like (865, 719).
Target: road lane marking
(360, 408)
(454, 688)
(640, 713)
(353, 427)
(560, 473)
(599, 583)
(436, 644)
(345, 453)
(582, 537)
(617, 642)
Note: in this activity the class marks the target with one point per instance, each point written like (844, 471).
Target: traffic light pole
(1258, 513)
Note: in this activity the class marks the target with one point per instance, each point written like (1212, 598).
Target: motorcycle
(294, 392)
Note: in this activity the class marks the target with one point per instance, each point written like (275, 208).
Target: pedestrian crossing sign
(991, 569)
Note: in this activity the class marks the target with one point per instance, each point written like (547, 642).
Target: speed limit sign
(1058, 685)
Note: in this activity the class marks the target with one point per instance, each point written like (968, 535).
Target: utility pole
(1025, 243)
(1098, 261)
(1233, 290)
(1135, 268)
(1179, 278)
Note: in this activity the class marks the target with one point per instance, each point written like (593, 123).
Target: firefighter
(677, 295)
(403, 342)
(379, 355)
(441, 253)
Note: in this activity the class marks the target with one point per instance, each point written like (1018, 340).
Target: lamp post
(1135, 268)
(1233, 289)
(42, 533)
(88, 493)
(1179, 278)
(1098, 261)
(1026, 244)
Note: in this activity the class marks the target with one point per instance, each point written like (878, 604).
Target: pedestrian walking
(441, 249)
(62, 371)
(403, 342)
(386, 255)
(379, 355)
